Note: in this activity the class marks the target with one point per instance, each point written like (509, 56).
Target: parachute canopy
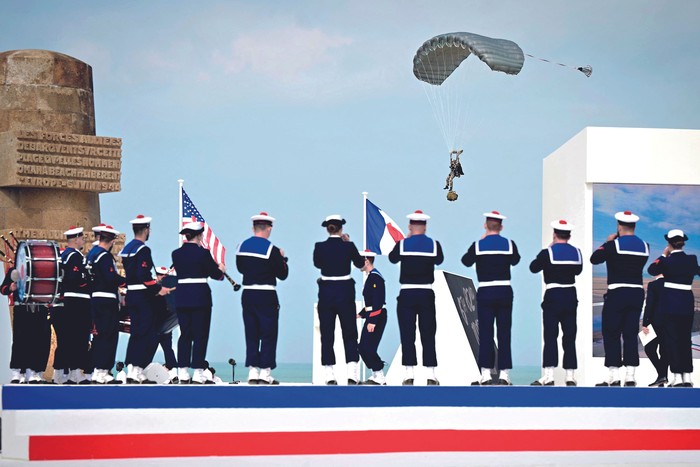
(438, 57)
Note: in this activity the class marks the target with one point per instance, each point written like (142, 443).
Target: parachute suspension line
(436, 104)
(586, 70)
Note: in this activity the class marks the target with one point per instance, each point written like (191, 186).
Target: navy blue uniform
(73, 321)
(261, 264)
(31, 333)
(194, 265)
(656, 348)
(141, 291)
(493, 255)
(374, 295)
(336, 296)
(625, 258)
(676, 305)
(560, 263)
(418, 254)
(104, 305)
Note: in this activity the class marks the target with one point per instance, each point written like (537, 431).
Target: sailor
(194, 264)
(418, 254)
(656, 348)
(104, 304)
(141, 290)
(560, 263)
(493, 255)
(676, 304)
(261, 263)
(73, 321)
(375, 315)
(165, 308)
(336, 297)
(625, 255)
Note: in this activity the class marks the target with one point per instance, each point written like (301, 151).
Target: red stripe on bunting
(73, 447)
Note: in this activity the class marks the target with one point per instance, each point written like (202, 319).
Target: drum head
(22, 266)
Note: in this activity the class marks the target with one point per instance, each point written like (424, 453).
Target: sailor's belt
(104, 295)
(618, 286)
(136, 287)
(416, 286)
(493, 283)
(336, 278)
(193, 280)
(75, 295)
(559, 286)
(259, 287)
(673, 285)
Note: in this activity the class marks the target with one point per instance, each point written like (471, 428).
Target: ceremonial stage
(47, 422)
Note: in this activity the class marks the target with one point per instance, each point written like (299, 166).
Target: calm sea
(301, 373)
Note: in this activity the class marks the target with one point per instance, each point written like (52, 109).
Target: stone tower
(52, 166)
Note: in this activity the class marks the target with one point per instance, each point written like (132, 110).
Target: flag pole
(364, 220)
(179, 221)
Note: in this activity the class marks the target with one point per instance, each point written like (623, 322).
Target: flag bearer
(418, 254)
(194, 264)
(625, 255)
(494, 255)
(560, 263)
(375, 315)
(336, 296)
(261, 264)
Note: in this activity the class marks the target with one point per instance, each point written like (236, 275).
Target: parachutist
(455, 169)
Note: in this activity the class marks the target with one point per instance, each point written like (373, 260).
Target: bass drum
(38, 269)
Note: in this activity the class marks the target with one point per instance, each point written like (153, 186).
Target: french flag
(382, 232)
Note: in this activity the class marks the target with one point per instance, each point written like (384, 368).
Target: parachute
(438, 57)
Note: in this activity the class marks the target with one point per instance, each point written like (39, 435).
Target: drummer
(72, 321)
(142, 289)
(104, 304)
(31, 335)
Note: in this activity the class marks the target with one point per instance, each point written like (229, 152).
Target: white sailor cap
(627, 217)
(263, 217)
(98, 228)
(675, 233)
(141, 219)
(73, 231)
(418, 216)
(561, 224)
(367, 253)
(333, 219)
(161, 270)
(495, 215)
(192, 227)
(109, 230)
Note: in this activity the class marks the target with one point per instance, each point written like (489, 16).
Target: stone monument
(52, 166)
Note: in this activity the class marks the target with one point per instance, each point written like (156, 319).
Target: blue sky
(295, 108)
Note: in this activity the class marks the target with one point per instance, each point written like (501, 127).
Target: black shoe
(630, 384)
(370, 382)
(263, 382)
(487, 383)
(571, 383)
(33, 382)
(331, 383)
(407, 382)
(132, 381)
(148, 381)
(538, 383)
(352, 382)
(687, 385)
(85, 381)
(659, 383)
(433, 382)
(208, 381)
(615, 383)
(114, 381)
(14, 381)
(504, 382)
(175, 380)
(184, 381)
(603, 384)
(476, 383)
(69, 382)
(253, 382)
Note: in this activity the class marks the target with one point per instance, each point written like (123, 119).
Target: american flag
(191, 214)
